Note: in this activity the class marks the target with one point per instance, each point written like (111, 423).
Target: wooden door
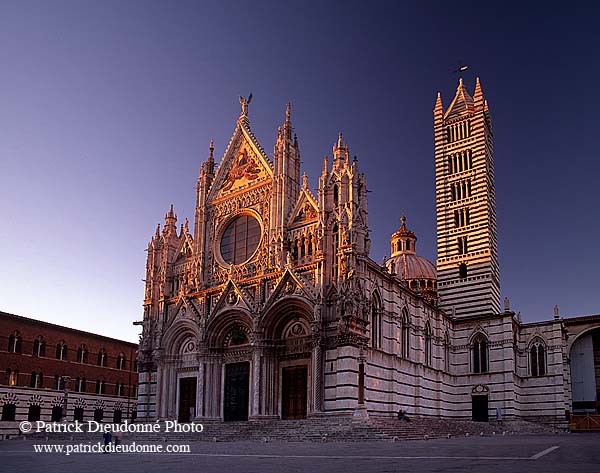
(294, 392)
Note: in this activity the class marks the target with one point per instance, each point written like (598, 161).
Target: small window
(117, 416)
(405, 330)
(462, 271)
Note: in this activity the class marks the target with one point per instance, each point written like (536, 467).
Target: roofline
(69, 329)
(581, 318)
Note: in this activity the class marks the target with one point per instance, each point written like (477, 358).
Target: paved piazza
(557, 453)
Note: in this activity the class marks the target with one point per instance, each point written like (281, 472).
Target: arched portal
(585, 371)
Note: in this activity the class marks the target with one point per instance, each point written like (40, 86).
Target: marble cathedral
(270, 306)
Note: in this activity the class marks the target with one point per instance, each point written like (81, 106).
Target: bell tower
(467, 263)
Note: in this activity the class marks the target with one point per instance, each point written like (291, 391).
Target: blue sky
(107, 109)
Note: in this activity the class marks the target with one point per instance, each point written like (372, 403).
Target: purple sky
(107, 109)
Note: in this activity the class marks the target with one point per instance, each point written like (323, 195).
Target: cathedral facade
(271, 307)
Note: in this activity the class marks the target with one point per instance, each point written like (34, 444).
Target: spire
(157, 234)
(186, 226)
(170, 221)
(461, 103)
(438, 109)
(211, 157)
(340, 150)
(478, 96)
(304, 181)
(287, 125)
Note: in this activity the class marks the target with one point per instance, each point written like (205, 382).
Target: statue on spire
(245, 102)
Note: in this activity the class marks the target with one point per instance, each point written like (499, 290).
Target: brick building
(45, 366)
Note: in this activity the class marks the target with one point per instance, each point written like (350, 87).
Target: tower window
(336, 195)
(462, 271)
(462, 245)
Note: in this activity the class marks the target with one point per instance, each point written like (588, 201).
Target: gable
(306, 210)
(244, 165)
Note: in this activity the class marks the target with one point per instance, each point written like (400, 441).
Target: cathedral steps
(323, 429)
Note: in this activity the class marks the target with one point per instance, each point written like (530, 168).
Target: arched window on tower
(479, 354)
(537, 358)
(405, 329)
(336, 195)
(428, 345)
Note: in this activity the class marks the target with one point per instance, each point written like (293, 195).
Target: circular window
(240, 239)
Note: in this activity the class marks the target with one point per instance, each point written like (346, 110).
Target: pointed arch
(428, 344)
(479, 353)
(376, 320)
(405, 333)
(537, 356)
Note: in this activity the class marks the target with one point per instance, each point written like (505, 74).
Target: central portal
(237, 385)
(293, 396)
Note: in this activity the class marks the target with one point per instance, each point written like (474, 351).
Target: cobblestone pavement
(549, 453)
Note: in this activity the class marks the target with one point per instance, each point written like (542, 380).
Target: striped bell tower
(467, 263)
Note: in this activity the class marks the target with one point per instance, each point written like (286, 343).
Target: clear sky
(107, 109)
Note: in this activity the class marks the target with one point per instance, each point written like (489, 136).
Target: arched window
(34, 413)
(12, 377)
(57, 413)
(447, 352)
(336, 195)
(98, 415)
(479, 354)
(15, 342)
(537, 358)
(9, 412)
(99, 386)
(61, 351)
(82, 354)
(37, 380)
(376, 325)
(102, 357)
(80, 385)
(428, 345)
(121, 361)
(405, 334)
(39, 347)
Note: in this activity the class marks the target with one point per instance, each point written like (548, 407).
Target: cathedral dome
(419, 273)
(411, 266)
